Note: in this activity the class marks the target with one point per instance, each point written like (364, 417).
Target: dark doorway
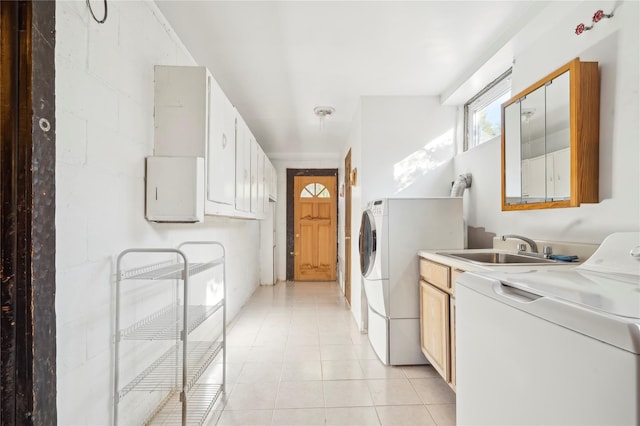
(27, 213)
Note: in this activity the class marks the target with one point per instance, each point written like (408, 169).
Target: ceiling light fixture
(322, 112)
(527, 113)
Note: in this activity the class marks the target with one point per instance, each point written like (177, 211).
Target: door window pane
(315, 190)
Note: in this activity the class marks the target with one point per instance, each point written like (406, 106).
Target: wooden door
(27, 213)
(347, 227)
(315, 224)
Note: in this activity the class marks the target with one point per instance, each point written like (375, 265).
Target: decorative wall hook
(353, 180)
(596, 18)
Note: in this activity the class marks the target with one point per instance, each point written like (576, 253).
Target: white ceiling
(276, 61)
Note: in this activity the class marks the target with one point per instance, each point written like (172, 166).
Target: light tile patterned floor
(296, 357)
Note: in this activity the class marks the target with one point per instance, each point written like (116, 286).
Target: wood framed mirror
(550, 137)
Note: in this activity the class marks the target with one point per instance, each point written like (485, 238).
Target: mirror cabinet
(550, 135)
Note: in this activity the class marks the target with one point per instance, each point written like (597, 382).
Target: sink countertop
(583, 250)
(467, 265)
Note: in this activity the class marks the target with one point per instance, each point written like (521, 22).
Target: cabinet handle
(224, 141)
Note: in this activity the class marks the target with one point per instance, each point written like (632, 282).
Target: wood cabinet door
(452, 326)
(436, 274)
(434, 328)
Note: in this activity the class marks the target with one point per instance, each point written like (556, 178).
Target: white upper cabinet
(257, 180)
(243, 166)
(194, 118)
(264, 185)
(221, 186)
(181, 124)
(273, 182)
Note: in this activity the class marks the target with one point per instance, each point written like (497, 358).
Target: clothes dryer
(392, 231)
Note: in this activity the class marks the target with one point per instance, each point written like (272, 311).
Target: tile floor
(296, 357)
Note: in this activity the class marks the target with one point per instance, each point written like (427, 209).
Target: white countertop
(467, 265)
(583, 250)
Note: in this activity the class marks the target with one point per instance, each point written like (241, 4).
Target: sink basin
(498, 258)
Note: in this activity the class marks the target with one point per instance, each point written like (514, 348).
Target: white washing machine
(552, 347)
(392, 231)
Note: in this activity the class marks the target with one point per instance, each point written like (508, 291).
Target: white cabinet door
(549, 167)
(181, 113)
(273, 182)
(536, 181)
(222, 147)
(260, 182)
(266, 173)
(255, 150)
(562, 173)
(243, 166)
(175, 189)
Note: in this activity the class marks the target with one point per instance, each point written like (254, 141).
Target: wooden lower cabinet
(434, 327)
(452, 327)
(438, 317)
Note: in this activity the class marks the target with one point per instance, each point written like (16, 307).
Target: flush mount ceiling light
(322, 112)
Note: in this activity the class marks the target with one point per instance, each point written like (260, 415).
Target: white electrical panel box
(175, 189)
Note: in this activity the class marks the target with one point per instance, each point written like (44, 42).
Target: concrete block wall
(104, 114)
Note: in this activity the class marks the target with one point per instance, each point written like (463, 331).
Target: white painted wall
(402, 146)
(614, 44)
(407, 145)
(267, 241)
(104, 127)
(387, 130)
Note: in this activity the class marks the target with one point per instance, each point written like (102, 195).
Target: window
(315, 190)
(482, 114)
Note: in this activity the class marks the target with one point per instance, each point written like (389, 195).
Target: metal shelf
(166, 324)
(166, 371)
(168, 270)
(200, 401)
(176, 372)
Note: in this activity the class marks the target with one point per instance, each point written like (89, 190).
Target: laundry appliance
(392, 231)
(552, 346)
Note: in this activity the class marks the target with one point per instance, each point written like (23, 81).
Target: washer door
(367, 243)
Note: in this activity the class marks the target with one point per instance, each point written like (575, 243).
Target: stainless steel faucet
(532, 244)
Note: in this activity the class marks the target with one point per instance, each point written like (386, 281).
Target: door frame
(27, 213)
(291, 174)
(347, 227)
